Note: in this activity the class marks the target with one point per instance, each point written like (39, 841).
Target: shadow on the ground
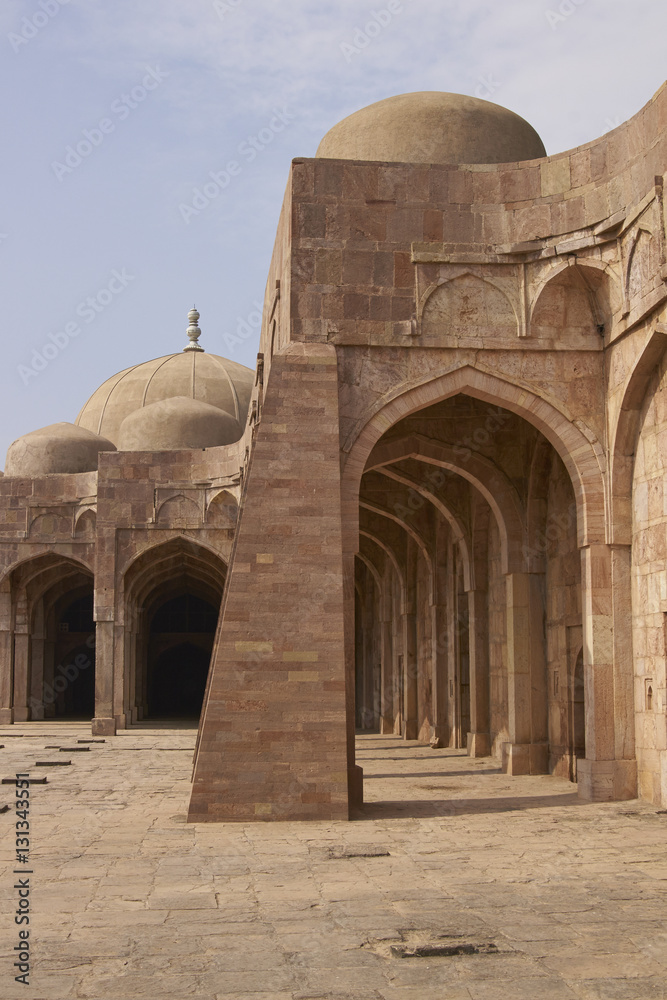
(363, 757)
(164, 724)
(436, 774)
(409, 808)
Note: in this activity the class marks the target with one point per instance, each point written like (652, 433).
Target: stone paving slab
(129, 901)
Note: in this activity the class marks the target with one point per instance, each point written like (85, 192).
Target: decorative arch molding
(456, 526)
(47, 559)
(372, 569)
(599, 267)
(178, 510)
(626, 433)
(170, 547)
(486, 477)
(589, 279)
(465, 272)
(414, 535)
(391, 555)
(50, 524)
(222, 505)
(536, 508)
(577, 446)
(642, 235)
(85, 521)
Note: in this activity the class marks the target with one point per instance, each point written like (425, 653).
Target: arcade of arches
(171, 600)
(436, 508)
(468, 583)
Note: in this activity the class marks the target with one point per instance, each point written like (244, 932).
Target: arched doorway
(72, 688)
(480, 514)
(53, 639)
(173, 593)
(181, 633)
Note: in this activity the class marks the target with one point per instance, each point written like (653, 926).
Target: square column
(479, 737)
(410, 658)
(21, 672)
(104, 723)
(6, 710)
(527, 751)
(609, 771)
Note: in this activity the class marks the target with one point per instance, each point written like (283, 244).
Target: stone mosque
(435, 509)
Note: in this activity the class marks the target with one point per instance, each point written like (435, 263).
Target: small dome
(195, 374)
(433, 127)
(179, 422)
(54, 449)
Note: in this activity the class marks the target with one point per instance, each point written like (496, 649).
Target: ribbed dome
(175, 423)
(58, 448)
(433, 127)
(194, 374)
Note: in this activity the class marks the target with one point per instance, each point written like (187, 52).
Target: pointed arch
(625, 433)
(456, 526)
(414, 535)
(484, 475)
(575, 443)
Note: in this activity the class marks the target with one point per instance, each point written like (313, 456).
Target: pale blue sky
(216, 75)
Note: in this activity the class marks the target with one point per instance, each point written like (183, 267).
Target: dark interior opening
(181, 635)
(72, 690)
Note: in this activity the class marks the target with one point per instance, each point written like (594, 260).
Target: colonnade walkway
(455, 882)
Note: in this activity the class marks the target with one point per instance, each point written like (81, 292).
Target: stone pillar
(439, 632)
(273, 738)
(21, 674)
(130, 667)
(121, 679)
(386, 657)
(609, 771)
(104, 723)
(410, 664)
(369, 713)
(479, 737)
(527, 751)
(6, 655)
(6, 678)
(452, 652)
(397, 639)
(439, 674)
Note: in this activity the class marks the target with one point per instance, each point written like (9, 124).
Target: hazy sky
(116, 111)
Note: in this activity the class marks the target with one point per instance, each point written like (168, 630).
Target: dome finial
(194, 333)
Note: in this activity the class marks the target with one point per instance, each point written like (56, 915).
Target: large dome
(433, 127)
(193, 374)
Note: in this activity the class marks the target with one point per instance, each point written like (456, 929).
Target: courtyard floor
(456, 883)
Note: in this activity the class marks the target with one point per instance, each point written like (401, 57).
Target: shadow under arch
(39, 681)
(172, 593)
